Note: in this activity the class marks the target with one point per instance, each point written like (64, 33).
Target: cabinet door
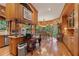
(19, 12)
(13, 47)
(13, 11)
(10, 11)
(1, 41)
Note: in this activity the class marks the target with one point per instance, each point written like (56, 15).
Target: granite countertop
(19, 36)
(4, 34)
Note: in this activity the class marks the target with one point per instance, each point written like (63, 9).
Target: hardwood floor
(46, 49)
(4, 51)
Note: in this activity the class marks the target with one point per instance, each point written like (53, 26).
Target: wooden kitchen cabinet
(14, 10)
(14, 45)
(1, 40)
(2, 12)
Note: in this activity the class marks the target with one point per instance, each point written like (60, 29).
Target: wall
(70, 35)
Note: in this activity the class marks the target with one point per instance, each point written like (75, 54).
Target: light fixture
(49, 9)
(65, 28)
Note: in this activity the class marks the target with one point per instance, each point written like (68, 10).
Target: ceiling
(48, 11)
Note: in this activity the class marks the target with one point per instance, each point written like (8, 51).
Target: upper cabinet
(22, 11)
(14, 11)
(2, 12)
(70, 20)
(68, 16)
(27, 14)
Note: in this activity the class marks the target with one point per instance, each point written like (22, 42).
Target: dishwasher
(22, 51)
(6, 40)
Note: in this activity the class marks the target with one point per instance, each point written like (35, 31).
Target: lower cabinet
(2, 40)
(14, 44)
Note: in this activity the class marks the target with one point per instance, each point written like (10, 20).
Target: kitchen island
(14, 41)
